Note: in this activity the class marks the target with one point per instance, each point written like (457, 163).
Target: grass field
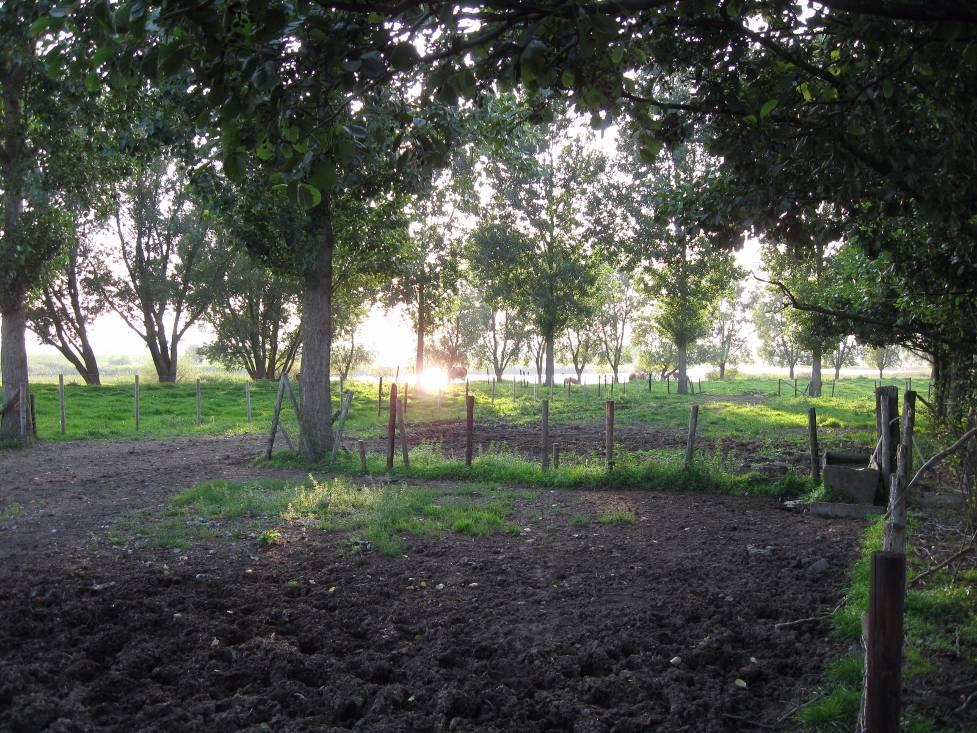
(739, 408)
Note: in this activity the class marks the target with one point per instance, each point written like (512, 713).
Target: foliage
(847, 352)
(501, 340)
(580, 344)
(727, 344)
(882, 357)
(618, 302)
(779, 341)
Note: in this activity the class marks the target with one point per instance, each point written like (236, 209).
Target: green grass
(662, 470)
(936, 617)
(733, 408)
(12, 510)
(617, 516)
(374, 513)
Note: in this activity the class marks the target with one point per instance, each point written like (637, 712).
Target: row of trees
(806, 125)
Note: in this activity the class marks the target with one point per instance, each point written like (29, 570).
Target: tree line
(310, 136)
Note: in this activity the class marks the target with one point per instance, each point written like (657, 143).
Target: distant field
(738, 408)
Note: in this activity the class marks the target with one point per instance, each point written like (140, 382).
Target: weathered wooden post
(404, 399)
(513, 386)
(795, 388)
(402, 407)
(894, 534)
(199, 419)
(883, 644)
(135, 401)
(887, 399)
(609, 433)
(361, 445)
(690, 443)
(61, 401)
(598, 384)
(380, 398)
(612, 386)
(494, 382)
(22, 407)
(778, 386)
(668, 385)
(247, 400)
(833, 387)
(469, 428)
(546, 434)
(649, 384)
(812, 429)
(624, 387)
(33, 416)
(392, 426)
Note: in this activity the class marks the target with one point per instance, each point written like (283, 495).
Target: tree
(581, 344)
(619, 300)
(883, 357)
(502, 339)
(657, 354)
(727, 343)
(779, 344)
(158, 278)
(255, 321)
(846, 352)
(534, 240)
(536, 350)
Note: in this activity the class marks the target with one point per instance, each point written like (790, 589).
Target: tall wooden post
(469, 428)
(404, 399)
(380, 398)
(883, 643)
(833, 387)
(668, 385)
(690, 443)
(403, 430)
(494, 382)
(135, 401)
(61, 402)
(33, 415)
(513, 386)
(199, 419)
(247, 400)
(795, 388)
(894, 534)
(392, 426)
(649, 384)
(609, 433)
(812, 429)
(887, 399)
(546, 434)
(778, 386)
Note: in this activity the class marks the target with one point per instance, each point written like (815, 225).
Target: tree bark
(550, 363)
(316, 419)
(791, 374)
(13, 360)
(814, 389)
(722, 370)
(682, 345)
(421, 325)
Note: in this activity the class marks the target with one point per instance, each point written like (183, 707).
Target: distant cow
(570, 380)
(458, 373)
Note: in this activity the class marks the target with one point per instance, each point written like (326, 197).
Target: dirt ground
(667, 623)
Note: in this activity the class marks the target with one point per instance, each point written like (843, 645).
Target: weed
(616, 516)
(269, 537)
(13, 510)
(579, 521)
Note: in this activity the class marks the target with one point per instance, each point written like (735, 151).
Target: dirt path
(562, 626)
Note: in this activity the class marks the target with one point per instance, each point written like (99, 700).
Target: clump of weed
(617, 515)
(270, 537)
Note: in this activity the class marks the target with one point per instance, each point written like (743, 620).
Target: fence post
(275, 415)
(402, 407)
(883, 643)
(494, 382)
(778, 386)
(513, 386)
(135, 401)
(404, 399)
(345, 399)
(33, 416)
(247, 400)
(61, 401)
(380, 398)
(546, 434)
(649, 384)
(690, 443)
(392, 426)
(795, 388)
(609, 433)
(198, 403)
(469, 427)
(812, 429)
(668, 384)
(700, 386)
(894, 534)
(833, 387)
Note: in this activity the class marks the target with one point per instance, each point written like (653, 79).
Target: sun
(433, 379)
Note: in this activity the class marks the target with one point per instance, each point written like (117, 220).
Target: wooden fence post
(546, 434)
(883, 643)
(795, 388)
(668, 385)
(609, 433)
(392, 426)
(494, 382)
(380, 398)
(778, 386)
(649, 384)
(135, 401)
(833, 387)
(513, 386)
(199, 419)
(33, 415)
(894, 534)
(404, 400)
(700, 386)
(247, 400)
(345, 401)
(888, 410)
(362, 449)
(275, 415)
(690, 443)
(61, 401)
(812, 429)
(403, 430)
(469, 427)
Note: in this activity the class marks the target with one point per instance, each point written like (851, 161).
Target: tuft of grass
(579, 521)
(378, 514)
(841, 703)
(616, 516)
(13, 510)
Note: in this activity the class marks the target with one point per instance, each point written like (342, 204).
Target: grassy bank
(940, 619)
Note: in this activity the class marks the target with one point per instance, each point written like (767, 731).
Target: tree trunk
(682, 345)
(13, 360)
(722, 370)
(315, 422)
(837, 372)
(814, 389)
(550, 363)
(579, 374)
(880, 374)
(421, 325)
(790, 375)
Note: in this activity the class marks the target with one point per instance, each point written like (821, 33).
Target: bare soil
(666, 623)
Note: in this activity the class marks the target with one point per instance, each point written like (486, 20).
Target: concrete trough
(848, 474)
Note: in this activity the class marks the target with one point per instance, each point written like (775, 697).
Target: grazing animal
(458, 373)
(570, 380)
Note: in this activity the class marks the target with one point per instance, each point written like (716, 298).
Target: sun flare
(433, 379)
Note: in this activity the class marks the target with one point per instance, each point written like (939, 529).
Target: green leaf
(235, 165)
(568, 78)
(102, 55)
(265, 151)
(324, 176)
(308, 196)
(265, 77)
(887, 88)
(769, 106)
(42, 24)
(92, 83)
